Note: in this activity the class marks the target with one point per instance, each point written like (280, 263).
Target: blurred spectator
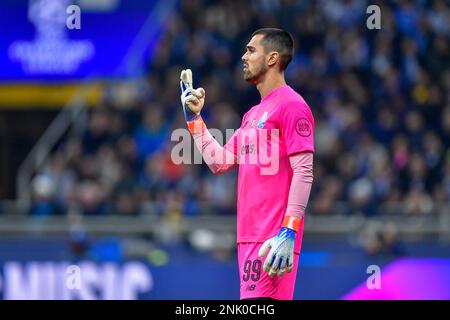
(152, 133)
(382, 240)
(91, 198)
(79, 241)
(63, 180)
(43, 188)
(98, 131)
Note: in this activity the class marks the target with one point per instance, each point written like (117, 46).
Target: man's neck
(269, 84)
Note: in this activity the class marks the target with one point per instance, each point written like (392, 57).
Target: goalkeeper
(272, 197)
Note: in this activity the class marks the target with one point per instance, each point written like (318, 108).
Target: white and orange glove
(192, 100)
(281, 255)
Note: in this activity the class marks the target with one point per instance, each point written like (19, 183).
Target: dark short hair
(277, 40)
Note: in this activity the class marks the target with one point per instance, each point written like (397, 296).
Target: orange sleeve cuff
(292, 222)
(196, 126)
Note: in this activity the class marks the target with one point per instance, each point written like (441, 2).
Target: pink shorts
(255, 283)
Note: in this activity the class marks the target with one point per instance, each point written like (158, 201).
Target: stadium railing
(434, 226)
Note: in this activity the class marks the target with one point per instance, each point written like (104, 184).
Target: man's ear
(273, 58)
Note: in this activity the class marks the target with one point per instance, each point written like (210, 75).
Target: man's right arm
(219, 159)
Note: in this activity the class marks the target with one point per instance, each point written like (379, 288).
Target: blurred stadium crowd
(380, 98)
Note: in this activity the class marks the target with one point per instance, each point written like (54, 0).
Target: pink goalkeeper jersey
(264, 183)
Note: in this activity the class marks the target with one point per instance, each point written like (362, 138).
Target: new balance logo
(251, 287)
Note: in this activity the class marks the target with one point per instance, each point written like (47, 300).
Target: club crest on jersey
(263, 120)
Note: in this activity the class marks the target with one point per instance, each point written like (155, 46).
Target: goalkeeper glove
(281, 255)
(192, 99)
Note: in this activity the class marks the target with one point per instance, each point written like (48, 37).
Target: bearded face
(254, 60)
(253, 71)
